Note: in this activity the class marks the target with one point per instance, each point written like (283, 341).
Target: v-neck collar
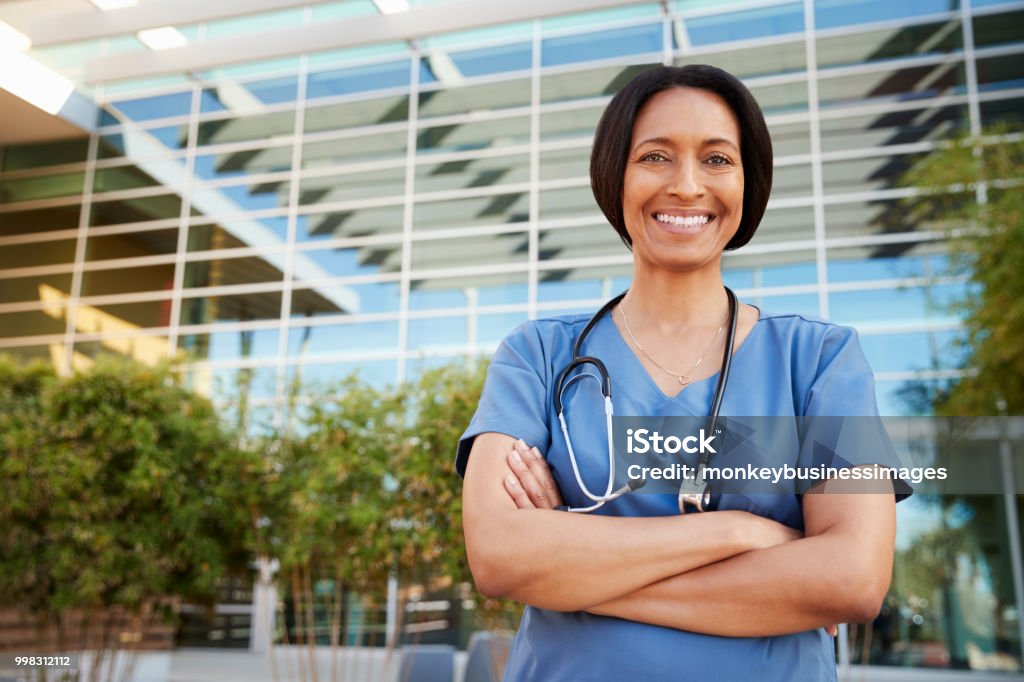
(689, 389)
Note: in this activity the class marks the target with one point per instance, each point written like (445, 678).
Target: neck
(670, 301)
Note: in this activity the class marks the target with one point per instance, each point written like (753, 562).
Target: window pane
(231, 383)
(460, 292)
(495, 209)
(233, 345)
(438, 333)
(357, 222)
(896, 261)
(135, 210)
(314, 377)
(233, 308)
(37, 288)
(565, 163)
(571, 202)
(899, 85)
(569, 284)
(606, 80)
(791, 181)
(358, 79)
(862, 175)
(580, 242)
(36, 155)
(41, 187)
(34, 323)
(745, 25)
(131, 244)
(557, 125)
(894, 127)
(793, 304)
(43, 253)
(881, 216)
(140, 143)
(790, 138)
(831, 13)
(121, 317)
(475, 98)
(365, 147)
(488, 60)
(128, 280)
(306, 342)
(242, 162)
(1000, 73)
(349, 186)
(246, 128)
(482, 172)
(459, 137)
(913, 351)
(438, 254)
(1005, 111)
(49, 354)
(785, 224)
(39, 220)
(357, 113)
(157, 106)
(349, 261)
(766, 60)
(226, 271)
(601, 45)
(941, 37)
(909, 305)
(133, 177)
(236, 96)
(790, 268)
(234, 199)
(782, 98)
(237, 233)
(998, 29)
(336, 299)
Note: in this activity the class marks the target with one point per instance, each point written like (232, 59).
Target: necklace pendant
(683, 380)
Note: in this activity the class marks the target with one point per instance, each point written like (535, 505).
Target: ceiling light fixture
(11, 37)
(391, 6)
(38, 85)
(163, 38)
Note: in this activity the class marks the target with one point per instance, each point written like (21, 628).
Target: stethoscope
(694, 493)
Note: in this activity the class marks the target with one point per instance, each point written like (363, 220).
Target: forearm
(839, 573)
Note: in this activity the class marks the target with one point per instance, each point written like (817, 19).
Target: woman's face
(682, 196)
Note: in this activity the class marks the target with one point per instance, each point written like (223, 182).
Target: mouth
(684, 223)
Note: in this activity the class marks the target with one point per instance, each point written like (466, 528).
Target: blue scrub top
(788, 365)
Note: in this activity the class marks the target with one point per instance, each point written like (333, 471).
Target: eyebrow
(667, 141)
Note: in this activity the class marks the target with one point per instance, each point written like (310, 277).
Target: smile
(684, 221)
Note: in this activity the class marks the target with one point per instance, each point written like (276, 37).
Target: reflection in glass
(353, 114)
(238, 233)
(557, 125)
(243, 128)
(131, 244)
(907, 305)
(304, 342)
(235, 96)
(30, 255)
(750, 61)
(998, 29)
(495, 209)
(781, 269)
(1000, 73)
(911, 351)
(585, 241)
(1004, 111)
(893, 85)
(242, 162)
(354, 79)
(756, 23)
(879, 216)
(606, 80)
(792, 181)
(368, 147)
(475, 98)
(129, 177)
(781, 98)
(227, 271)
(941, 37)
(157, 106)
(794, 304)
(893, 127)
(565, 163)
(112, 318)
(232, 383)
(335, 299)
(457, 137)
(324, 189)
(785, 224)
(862, 175)
(232, 308)
(33, 323)
(634, 40)
(438, 254)
(439, 333)
(128, 280)
(481, 172)
(569, 284)
(41, 187)
(39, 220)
(139, 143)
(51, 353)
(135, 209)
(832, 13)
(234, 199)
(571, 202)
(18, 157)
(49, 288)
(460, 292)
(790, 138)
(488, 60)
(230, 345)
(354, 222)
(309, 378)
(894, 261)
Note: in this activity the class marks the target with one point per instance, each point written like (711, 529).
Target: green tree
(989, 247)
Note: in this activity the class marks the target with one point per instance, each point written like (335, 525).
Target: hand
(531, 485)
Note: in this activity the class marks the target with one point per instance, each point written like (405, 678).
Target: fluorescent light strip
(107, 5)
(12, 38)
(163, 38)
(38, 85)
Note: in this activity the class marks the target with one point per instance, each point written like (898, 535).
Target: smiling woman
(682, 169)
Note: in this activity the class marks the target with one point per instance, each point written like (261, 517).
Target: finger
(517, 493)
(833, 629)
(542, 472)
(538, 496)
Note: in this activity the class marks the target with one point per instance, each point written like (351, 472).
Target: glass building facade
(391, 206)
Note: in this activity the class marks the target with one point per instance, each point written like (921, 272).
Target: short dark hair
(615, 135)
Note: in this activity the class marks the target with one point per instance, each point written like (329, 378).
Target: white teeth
(684, 221)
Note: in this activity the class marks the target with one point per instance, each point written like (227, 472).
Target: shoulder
(547, 332)
(805, 332)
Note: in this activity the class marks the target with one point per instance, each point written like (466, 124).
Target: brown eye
(719, 160)
(654, 156)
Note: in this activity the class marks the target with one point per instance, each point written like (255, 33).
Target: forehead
(686, 114)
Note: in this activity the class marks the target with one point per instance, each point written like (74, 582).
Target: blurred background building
(290, 190)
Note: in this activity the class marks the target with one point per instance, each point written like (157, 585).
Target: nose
(686, 181)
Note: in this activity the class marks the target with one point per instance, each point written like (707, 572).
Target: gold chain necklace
(683, 379)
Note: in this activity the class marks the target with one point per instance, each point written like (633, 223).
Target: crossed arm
(728, 573)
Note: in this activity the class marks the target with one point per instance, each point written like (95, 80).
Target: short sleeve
(841, 424)
(514, 400)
